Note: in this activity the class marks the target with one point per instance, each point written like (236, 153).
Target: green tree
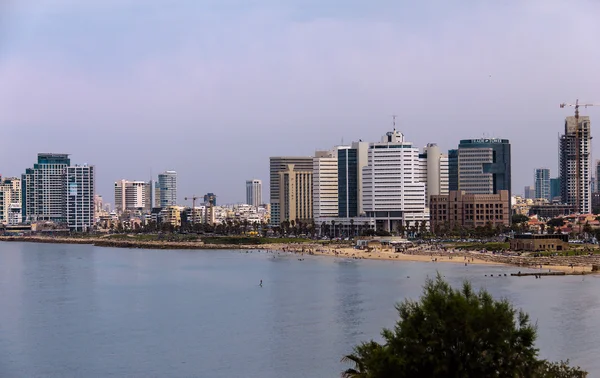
(519, 218)
(456, 333)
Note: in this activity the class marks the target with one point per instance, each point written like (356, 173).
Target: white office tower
(254, 192)
(80, 198)
(325, 185)
(393, 193)
(131, 196)
(433, 171)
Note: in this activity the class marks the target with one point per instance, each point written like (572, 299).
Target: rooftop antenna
(394, 121)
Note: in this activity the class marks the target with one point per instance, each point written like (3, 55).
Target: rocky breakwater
(584, 262)
(124, 243)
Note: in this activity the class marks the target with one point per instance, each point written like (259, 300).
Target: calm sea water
(84, 311)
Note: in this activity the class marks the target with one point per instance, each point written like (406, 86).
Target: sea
(85, 311)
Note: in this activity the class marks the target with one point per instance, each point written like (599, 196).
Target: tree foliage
(519, 218)
(456, 333)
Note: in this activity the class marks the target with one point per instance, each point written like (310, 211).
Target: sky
(212, 88)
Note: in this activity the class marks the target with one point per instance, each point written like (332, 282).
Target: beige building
(279, 164)
(10, 200)
(459, 209)
(541, 242)
(295, 198)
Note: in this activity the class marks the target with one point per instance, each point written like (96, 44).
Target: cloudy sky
(212, 88)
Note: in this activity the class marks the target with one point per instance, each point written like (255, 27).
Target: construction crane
(576, 105)
(193, 198)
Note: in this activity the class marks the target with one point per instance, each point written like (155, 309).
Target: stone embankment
(120, 243)
(524, 261)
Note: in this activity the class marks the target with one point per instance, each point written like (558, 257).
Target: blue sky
(213, 88)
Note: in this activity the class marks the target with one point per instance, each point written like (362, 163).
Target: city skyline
(330, 72)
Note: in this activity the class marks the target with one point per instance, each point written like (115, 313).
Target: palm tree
(333, 226)
(351, 227)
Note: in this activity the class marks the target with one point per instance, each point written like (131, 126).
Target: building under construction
(575, 147)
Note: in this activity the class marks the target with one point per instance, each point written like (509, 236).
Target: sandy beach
(426, 253)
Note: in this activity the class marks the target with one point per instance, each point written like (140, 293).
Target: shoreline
(569, 264)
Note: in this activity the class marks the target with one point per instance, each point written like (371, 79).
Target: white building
(10, 199)
(325, 185)
(433, 171)
(393, 193)
(132, 196)
(575, 165)
(80, 197)
(254, 192)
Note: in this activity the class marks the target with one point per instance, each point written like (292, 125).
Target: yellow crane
(578, 130)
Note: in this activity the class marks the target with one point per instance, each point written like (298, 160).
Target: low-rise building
(537, 242)
(459, 209)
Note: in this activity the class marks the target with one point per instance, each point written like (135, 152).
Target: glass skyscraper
(484, 166)
(542, 183)
(167, 183)
(452, 169)
(348, 182)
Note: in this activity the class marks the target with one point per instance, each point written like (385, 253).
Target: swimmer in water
(260, 284)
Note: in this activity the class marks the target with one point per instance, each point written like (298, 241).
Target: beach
(425, 253)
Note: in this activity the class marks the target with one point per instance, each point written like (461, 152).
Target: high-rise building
(433, 171)
(295, 197)
(132, 196)
(254, 192)
(392, 191)
(10, 200)
(542, 183)
(325, 185)
(452, 170)
(80, 197)
(598, 175)
(575, 169)
(210, 199)
(55, 191)
(44, 189)
(167, 183)
(529, 192)
(484, 166)
(276, 166)
(351, 162)
(555, 189)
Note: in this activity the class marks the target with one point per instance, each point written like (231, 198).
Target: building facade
(296, 195)
(167, 183)
(254, 192)
(542, 183)
(79, 209)
(351, 162)
(555, 189)
(325, 185)
(529, 192)
(54, 191)
(44, 189)
(574, 163)
(279, 164)
(132, 196)
(392, 191)
(452, 170)
(10, 200)
(433, 171)
(484, 166)
(460, 209)
(597, 187)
